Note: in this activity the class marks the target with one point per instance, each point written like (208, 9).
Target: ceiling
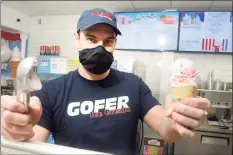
(41, 8)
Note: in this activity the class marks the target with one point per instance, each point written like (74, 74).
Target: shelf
(9, 30)
(221, 106)
(7, 78)
(219, 91)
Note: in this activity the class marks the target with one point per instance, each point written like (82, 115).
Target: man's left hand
(187, 116)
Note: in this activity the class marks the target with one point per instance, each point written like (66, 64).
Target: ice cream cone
(183, 80)
(180, 93)
(14, 65)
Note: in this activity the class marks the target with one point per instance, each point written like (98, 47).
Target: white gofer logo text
(87, 107)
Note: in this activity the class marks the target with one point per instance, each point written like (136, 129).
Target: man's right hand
(17, 125)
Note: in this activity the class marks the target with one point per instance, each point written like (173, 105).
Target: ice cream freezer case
(208, 140)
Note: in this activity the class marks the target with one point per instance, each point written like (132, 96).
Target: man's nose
(100, 43)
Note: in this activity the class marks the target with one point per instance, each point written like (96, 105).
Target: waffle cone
(180, 93)
(14, 65)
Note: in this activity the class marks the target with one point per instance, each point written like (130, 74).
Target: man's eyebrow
(112, 37)
(90, 35)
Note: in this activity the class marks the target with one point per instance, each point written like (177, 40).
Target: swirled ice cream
(182, 80)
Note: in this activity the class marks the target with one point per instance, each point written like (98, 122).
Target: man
(95, 107)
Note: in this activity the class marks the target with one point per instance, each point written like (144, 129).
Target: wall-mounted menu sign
(72, 64)
(58, 65)
(43, 65)
(148, 30)
(124, 65)
(205, 31)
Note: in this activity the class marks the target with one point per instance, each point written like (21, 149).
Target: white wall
(9, 19)
(60, 30)
(53, 30)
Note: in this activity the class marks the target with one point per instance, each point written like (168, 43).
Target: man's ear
(115, 42)
(76, 35)
(77, 39)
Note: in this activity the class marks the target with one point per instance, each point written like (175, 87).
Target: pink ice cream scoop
(183, 73)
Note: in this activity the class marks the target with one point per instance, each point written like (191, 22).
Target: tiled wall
(60, 30)
(220, 64)
(146, 67)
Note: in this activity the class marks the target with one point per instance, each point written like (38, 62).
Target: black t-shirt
(96, 115)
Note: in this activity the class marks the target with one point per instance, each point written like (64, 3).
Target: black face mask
(96, 60)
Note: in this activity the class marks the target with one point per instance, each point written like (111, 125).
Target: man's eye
(91, 39)
(109, 42)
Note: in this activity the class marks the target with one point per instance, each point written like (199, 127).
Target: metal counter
(214, 129)
(11, 147)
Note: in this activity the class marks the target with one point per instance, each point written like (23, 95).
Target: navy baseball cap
(97, 16)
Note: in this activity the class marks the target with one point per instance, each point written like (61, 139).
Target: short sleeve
(147, 101)
(46, 97)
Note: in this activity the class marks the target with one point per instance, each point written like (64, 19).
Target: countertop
(208, 128)
(148, 132)
(10, 147)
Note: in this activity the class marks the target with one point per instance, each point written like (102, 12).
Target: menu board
(205, 31)
(58, 66)
(124, 65)
(43, 65)
(72, 64)
(148, 30)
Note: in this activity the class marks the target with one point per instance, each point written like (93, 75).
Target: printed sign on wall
(114, 65)
(13, 40)
(72, 64)
(206, 31)
(58, 65)
(43, 65)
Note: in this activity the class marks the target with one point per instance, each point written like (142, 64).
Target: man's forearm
(168, 131)
(157, 120)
